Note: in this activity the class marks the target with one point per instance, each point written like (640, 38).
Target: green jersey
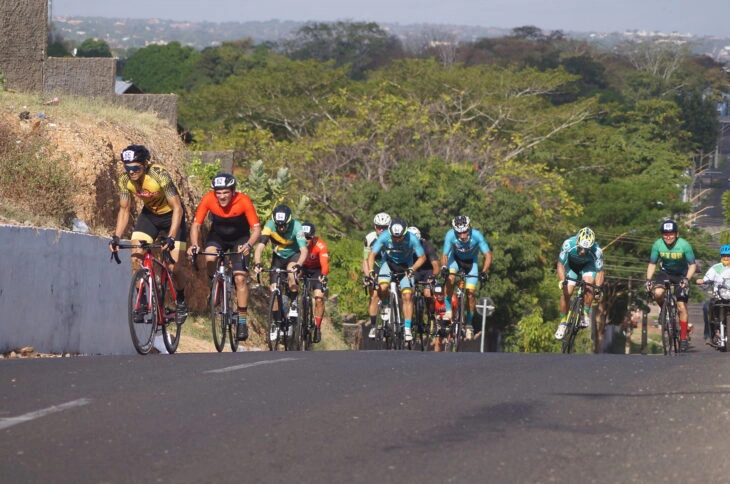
(675, 260)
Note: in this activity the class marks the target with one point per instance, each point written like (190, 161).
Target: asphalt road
(366, 417)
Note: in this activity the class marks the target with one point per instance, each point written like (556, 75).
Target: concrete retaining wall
(23, 40)
(90, 76)
(59, 293)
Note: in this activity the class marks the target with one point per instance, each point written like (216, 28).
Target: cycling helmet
(281, 216)
(135, 154)
(438, 290)
(223, 181)
(585, 238)
(415, 231)
(308, 229)
(398, 227)
(669, 227)
(461, 224)
(725, 249)
(382, 219)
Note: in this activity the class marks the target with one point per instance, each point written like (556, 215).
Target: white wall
(59, 293)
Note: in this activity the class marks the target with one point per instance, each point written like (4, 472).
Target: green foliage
(93, 48)
(161, 69)
(361, 45)
(533, 335)
(200, 174)
(265, 191)
(345, 278)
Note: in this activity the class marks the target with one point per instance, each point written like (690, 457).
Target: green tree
(161, 69)
(93, 48)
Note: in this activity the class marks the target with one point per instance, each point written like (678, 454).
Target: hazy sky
(700, 17)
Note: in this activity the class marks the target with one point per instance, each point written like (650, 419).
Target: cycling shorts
(680, 294)
(469, 266)
(149, 226)
(314, 275)
(385, 275)
(239, 262)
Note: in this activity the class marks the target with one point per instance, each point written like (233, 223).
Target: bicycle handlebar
(166, 257)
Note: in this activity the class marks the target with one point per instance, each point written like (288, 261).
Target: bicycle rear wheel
(573, 324)
(142, 315)
(294, 333)
(674, 325)
(170, 328)
(217, 313)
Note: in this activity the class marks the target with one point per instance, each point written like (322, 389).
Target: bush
(34, 178)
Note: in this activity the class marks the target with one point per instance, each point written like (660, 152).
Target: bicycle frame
(222, 294)
(421, 311)
(279, 321)
(575, 313)
(668, 320)
(155, 275)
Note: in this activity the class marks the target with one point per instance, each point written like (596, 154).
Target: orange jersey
(318, 257)
(231, 222)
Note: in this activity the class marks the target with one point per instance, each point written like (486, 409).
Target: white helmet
(382, 219)
(415, 231)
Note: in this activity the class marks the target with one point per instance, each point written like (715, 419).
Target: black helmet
(669, 227)
(281, 216)
(309, 229)
(135, 154)
(223, 181)
(398, 227)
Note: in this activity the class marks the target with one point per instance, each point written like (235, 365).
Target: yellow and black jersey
(154, 190)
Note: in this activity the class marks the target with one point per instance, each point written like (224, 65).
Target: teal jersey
(675, 260)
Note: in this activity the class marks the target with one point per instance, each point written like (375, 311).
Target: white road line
(249, 365)
(10, 421)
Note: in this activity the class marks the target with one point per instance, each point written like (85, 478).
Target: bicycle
(720, 316)
(390, 334)
(669, 319)
(423, 318)
(575, 313)
(281, 322)
(152, 300)
(222, 300)
(307, 327)
(457, 329)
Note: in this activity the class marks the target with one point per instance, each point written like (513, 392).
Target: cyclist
(580, 257)
(677, 264)
(382, 222)
(234, 226)
(401, 252)
(316, 266)
(462, 246)
(162, 212)
(290, 246)
(429, 270)
(717, 274)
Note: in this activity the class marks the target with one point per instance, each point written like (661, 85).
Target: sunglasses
(381, 227)
(132, 168)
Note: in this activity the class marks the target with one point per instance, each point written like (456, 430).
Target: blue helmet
(725, 249)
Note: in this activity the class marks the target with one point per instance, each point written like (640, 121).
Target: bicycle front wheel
(170, 328)
(217, 313)
(232, 316)
(307, 323)
(667, 332)
(142, 312)
(275, 319)
(458, 326)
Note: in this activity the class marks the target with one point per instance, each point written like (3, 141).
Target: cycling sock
(683, 329)
(317, 321)
(180, 295)
(563, 318)
(469, 317)
(242, 314)
(407, 323)
(373, 320)
(586, 310)
(448, 303)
